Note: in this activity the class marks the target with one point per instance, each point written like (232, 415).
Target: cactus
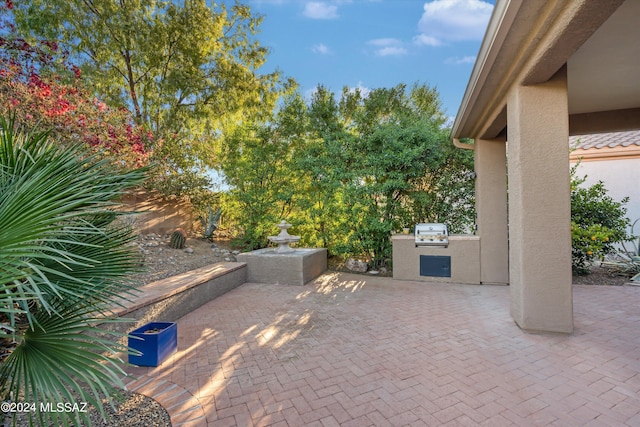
(210, 225)
(178, 239)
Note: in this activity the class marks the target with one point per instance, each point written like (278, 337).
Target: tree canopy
(349, 171)
(186, 70)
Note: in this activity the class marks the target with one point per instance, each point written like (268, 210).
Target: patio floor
(354, 350)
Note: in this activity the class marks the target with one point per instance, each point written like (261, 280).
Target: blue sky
(375, 43)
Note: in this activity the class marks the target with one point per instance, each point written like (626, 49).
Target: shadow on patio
(355, 350)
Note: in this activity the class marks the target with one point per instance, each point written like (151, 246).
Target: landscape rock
(356, 265)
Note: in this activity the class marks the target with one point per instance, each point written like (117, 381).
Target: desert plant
(627, 260)
(634, 240)
(178, 239)
(63, 260)
(210, 224)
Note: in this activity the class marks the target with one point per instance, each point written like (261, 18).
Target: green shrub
(597, 223)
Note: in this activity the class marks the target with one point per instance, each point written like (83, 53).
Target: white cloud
(425, 40)
(364, 91)
(320, 10)
(276, 2)
(385, 42)
(456, 60)
(309, 93)
(388, 47)
(453, 20)
(322, 49)
(391, 51)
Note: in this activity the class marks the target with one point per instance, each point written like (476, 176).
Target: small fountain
(284, 238)
(284, 264)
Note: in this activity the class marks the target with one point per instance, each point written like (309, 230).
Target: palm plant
(63, 260)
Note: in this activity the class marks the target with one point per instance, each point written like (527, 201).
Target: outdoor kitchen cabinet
(462, 252)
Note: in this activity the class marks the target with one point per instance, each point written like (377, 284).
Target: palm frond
(64, 261)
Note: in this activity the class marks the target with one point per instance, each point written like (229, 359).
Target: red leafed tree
(40, 88)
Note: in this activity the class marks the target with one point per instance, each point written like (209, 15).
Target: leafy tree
(597, 223)
(257, 164)
(186, 70)
(63, 259)
(446, 193)
(388, 161)
(326, 164)
(349, 172)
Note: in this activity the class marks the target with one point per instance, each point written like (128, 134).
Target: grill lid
(431, 234)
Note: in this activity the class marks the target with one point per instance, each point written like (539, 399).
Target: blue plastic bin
(155, 347)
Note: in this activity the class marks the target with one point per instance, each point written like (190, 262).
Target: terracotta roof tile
(602, 140)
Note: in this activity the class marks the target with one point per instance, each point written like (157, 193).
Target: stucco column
(539, 206)
(491, 208)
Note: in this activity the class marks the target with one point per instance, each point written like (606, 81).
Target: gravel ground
(135, 410)
(162, 261)
(602, 276)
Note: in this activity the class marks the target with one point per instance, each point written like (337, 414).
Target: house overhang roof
(605, 146)
(528, 41)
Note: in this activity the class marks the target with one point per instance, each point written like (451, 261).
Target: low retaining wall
(169, 299)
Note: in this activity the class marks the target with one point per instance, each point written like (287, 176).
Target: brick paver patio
(354, 350)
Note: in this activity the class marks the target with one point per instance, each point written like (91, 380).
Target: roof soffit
(535, 42)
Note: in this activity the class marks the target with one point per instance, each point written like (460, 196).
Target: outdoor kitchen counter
(463, 250)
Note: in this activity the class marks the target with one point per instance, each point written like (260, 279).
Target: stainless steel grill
(431, 234)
